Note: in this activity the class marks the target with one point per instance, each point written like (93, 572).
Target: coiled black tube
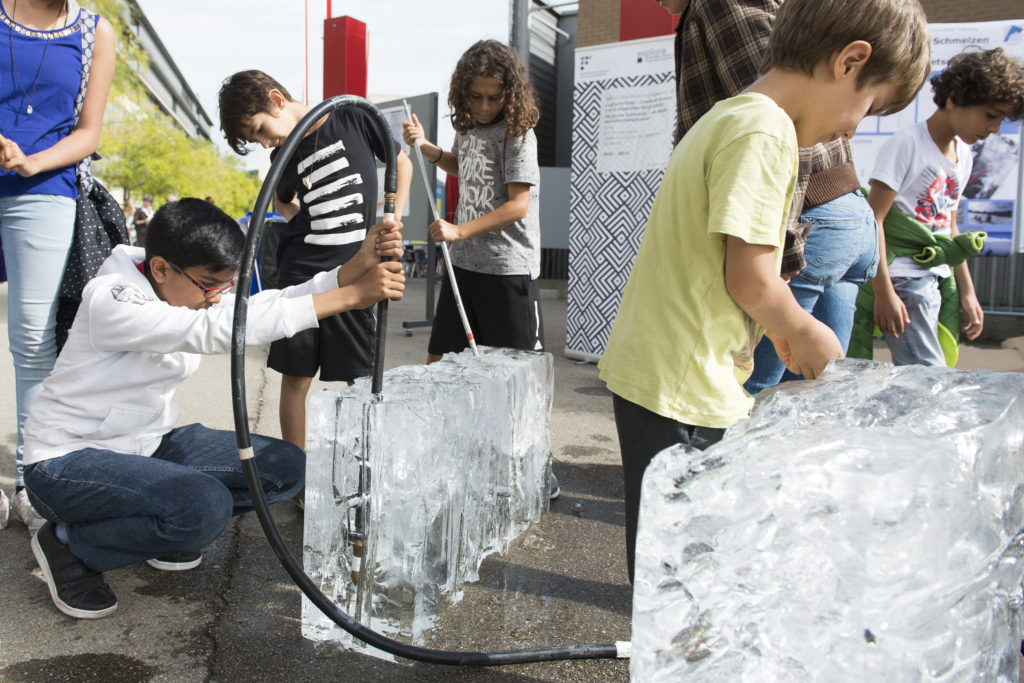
(290, 563)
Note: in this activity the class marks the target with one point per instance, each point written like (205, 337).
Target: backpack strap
(89, 20)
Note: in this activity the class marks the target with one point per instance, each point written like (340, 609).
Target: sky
(413, 44)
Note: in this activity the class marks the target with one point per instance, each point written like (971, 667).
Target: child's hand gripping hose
(245, 451)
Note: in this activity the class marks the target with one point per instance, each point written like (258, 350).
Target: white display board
(993, 197)
(623, 122)
(394, 115)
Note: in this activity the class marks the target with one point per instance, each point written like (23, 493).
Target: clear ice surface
(457, 462)
(864, 526)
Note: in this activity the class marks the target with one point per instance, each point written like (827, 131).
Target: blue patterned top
(53, 102)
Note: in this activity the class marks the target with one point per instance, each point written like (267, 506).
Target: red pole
(305, 51)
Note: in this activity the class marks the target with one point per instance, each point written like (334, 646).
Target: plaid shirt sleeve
(826, 155)
(720, 45)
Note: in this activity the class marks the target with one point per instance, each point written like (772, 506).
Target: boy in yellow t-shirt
(706, 280)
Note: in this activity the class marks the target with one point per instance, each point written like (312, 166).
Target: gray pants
(919, 343)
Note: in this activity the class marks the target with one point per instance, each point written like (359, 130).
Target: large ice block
(457, 462)
(861, 527)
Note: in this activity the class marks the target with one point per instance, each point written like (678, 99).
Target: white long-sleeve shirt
(113, 385)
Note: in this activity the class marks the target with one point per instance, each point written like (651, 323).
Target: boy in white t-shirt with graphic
(922, 172)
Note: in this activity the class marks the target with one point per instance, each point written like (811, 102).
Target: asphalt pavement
(237, 616)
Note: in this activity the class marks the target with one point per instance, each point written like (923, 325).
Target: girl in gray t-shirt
(496, 235)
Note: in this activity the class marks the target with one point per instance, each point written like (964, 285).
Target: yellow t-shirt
(680, 346)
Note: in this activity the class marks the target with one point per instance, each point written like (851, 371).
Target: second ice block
(865, 526)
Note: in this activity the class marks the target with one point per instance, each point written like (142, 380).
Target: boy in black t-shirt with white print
(328, 193)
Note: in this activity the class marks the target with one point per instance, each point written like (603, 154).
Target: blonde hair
(807, 33)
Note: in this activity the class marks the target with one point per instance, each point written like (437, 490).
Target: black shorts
(503, 310)
(341, 349)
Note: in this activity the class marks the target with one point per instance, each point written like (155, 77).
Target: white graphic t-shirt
(928, 186)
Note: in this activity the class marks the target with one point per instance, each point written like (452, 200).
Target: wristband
(434, 161)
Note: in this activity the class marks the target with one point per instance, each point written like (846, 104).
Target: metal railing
(999, 283)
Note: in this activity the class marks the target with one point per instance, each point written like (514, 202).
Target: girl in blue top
(40, 144)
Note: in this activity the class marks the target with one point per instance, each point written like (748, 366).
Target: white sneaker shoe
(5, 510)
(24, 511)
(176, 562)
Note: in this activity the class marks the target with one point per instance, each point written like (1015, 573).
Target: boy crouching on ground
(104, 463)
(706, 279)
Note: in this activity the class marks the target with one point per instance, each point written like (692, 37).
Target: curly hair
(491, 59)
(241, 97)
(979, 77)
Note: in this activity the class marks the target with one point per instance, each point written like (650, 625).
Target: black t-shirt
(334, 175)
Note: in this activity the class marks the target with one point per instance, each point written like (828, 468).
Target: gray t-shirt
(488, 161)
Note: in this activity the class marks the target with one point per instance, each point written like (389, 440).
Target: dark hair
(979, 77)
(193, 232)
(242, 96)
(491, 59)
(806, 33)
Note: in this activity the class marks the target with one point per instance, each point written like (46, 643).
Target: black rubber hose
(287, 559)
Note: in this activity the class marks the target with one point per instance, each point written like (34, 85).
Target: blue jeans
(919, 343)
(841, 253)
(121, 509)
(36, 231)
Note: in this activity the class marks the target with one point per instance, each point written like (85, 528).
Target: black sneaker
(553, 490)
(176, 562)
(77, 591)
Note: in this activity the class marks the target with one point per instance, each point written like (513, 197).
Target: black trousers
(642, 435)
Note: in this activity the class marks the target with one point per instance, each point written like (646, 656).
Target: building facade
(164, 82)
(609, 21)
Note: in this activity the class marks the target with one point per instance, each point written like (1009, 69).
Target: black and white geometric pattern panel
(607, 214)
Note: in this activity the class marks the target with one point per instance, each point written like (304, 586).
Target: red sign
(644, 19)
(346, 55)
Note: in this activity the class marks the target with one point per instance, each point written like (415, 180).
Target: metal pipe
(444, 245)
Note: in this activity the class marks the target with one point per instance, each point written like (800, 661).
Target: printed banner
(623, 122)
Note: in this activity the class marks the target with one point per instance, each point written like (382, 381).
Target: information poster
(623, 122)
(992, 199)
(631, 137)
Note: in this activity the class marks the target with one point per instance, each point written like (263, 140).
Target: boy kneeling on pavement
(104, 462)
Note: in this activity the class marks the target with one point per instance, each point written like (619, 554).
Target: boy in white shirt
(118, 482)
(922, 172)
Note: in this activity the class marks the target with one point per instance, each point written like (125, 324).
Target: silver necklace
(10, 42)
(308, 180)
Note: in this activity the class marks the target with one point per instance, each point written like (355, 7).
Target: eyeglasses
(207, 291)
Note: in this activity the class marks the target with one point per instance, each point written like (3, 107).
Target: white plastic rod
(444, 245)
